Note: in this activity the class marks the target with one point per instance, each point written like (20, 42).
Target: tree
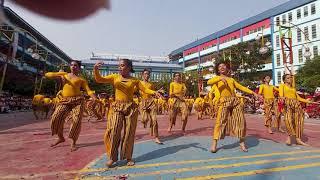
(191, 81)
(308, 76)
(245, 60)
(163, 83)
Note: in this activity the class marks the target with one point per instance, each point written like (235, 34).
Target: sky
(143, 27)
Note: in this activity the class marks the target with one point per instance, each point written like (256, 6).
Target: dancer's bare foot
(169, 129)
(60, 140)
(99, 120)
(157, 140)
(73, 147)
(213, 148)
(130, 162)
(184, 132)
(288, 141)
(300, 142)
(109, 163)
(281, 130)
(243, 147)
(270, 131)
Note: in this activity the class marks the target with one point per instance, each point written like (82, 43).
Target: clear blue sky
(143, 27)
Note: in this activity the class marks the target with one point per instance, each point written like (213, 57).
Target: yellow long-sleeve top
(37, 99)
(124, 87)
(104, 101)
(136, 100)
(199, 101)
(47, 101)
(290, 92)
(177, 89)
(227, 90)
(161, 101)
(267, 91)
(170, 101)
(206, 99)
(73, 86)
(214, 92)
(191, 101)
(55, 100)
(148, 85)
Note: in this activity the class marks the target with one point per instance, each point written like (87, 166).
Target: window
(290, 17)
(284, 19)
(313, 8)
(278, 59)
(315, 51)
(279, 77)
(300, 56)
(299, 35)
(277, 41)
(305, 11)
(314, 31)
(298, 13)
(306, 32)
(278, 21)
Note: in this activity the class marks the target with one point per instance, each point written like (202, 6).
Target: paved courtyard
(25, 152)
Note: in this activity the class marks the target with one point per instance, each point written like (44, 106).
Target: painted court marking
(229, 165)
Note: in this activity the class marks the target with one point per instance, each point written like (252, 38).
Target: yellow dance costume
(293, 112)
(270, 104)
(230, 116)
(72, 102)
(199, 106)
(148, 109)
(123, 115)
(177, 92)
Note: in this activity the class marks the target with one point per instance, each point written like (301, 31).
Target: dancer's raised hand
(98, 65)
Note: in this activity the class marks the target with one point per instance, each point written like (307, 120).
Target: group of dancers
(227, 107)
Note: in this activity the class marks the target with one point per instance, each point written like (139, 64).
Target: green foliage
(164, 83)
(308, 77)
(245, 66)
(191, 81)
(48, 87)
(248, 83)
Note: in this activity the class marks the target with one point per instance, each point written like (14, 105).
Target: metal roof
(108, 62)
(18, 21)
(247, 22)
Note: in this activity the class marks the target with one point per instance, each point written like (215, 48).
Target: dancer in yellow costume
(270, 103)
(293, 112)
(149, 107)
(206, 106)
(166, 104)
(93, 109)
(214, 96)
(105, 105)
(230, 116)
(47, 106)
(37, 104)
(160, 106)
(177, 92)
(190, 104)
(72, 101)
(199, 105)
(123, 111)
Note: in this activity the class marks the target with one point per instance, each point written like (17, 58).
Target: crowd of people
(13, 103)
